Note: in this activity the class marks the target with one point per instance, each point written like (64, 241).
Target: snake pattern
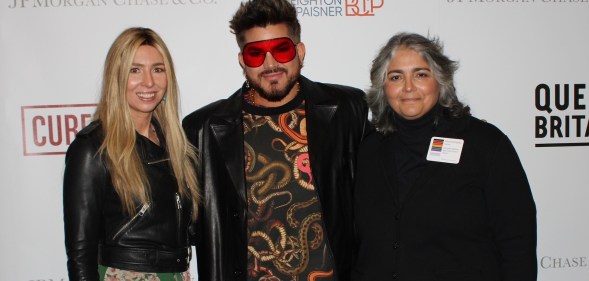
(286, 236)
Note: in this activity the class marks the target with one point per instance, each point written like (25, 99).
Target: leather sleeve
(84, 178)
(513, 214)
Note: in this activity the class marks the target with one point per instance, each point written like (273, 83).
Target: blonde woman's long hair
(124, 164)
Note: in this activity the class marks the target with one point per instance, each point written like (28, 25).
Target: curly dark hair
(261, 13)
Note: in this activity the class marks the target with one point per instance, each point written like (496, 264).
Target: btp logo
(362, 7)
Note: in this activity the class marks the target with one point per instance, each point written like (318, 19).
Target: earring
(164, 98)
(247, 84)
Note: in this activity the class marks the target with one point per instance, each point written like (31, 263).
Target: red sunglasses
(282, 49)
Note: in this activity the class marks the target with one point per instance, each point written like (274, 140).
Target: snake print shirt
(286, 234)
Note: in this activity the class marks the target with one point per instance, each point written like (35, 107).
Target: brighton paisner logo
(337, 8)
(50, 129)
(562, 115)
(548, 262)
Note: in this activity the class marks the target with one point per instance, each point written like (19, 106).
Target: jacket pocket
(128, 225)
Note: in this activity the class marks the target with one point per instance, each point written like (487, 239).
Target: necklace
(249, 97)
(152, 135)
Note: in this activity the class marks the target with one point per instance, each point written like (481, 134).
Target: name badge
(445, 150)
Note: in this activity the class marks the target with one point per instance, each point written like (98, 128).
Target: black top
(473, 220)
(410, 143)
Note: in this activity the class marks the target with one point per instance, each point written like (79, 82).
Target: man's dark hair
(261, 13)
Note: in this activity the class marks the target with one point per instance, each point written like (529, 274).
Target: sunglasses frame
(248, 62)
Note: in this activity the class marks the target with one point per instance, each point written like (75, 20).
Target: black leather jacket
(97, 231)
(336, 123)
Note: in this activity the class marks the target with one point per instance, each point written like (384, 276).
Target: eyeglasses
(282, 49)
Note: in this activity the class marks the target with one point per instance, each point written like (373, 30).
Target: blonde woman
(130, 189)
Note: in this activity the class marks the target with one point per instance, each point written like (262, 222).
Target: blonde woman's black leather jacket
(98, 231)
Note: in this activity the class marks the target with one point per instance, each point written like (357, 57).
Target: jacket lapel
(227, 129)
(320, 109)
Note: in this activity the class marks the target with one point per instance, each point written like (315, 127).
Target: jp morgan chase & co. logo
(337, 8)
(561, 115)
(548, 262)
(20, 4)
(50, 129)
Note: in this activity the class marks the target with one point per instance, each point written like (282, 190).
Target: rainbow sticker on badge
(445, 150)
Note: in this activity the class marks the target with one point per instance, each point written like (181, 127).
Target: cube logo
(50, 129)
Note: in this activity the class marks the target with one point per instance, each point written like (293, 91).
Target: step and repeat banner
(524, 66)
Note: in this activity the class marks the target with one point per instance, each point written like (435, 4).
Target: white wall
(52, 51)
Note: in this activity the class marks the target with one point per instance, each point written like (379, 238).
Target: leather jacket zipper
(158, 161)
(139, 214)
(178, 217)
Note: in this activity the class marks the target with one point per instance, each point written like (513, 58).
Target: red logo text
(50, 129)
(362, 7)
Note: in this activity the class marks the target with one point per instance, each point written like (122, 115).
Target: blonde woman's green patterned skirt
(115, 274)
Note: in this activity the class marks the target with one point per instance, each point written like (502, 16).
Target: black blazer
(471, 221)
(337, 122)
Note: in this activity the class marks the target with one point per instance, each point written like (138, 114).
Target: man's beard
(275, 94)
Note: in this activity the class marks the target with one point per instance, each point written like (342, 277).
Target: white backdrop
(524, 68)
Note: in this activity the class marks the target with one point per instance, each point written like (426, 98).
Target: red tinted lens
(282, 49)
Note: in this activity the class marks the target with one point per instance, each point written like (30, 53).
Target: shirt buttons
(237, 274)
